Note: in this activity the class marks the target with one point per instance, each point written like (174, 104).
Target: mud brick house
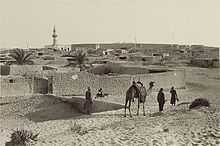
(205, 56)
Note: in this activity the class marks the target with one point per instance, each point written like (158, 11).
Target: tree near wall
(78, 59)
(21, 57)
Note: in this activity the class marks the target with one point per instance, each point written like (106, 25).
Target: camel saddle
(142, 92)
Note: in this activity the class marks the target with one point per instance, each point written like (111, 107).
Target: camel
(139, 92)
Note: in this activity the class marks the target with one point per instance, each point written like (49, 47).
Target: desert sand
(54, 120)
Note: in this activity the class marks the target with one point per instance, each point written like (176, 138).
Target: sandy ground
(55, 120)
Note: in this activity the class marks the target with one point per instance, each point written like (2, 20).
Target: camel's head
(134, 83)
(139, 82)
(151, 84)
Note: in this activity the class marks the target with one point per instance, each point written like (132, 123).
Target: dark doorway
(40, 85)
(50, 85)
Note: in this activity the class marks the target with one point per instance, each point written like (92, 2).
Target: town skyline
(30, 23)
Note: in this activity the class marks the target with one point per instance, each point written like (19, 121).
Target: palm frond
(17, 56)
(27, 57)
(20, 56)
(20, 52)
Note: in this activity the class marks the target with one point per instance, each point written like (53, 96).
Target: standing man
(161, 99)
(174, 97)
(88, 103)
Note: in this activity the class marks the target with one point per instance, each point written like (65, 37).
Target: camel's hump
(142, 90)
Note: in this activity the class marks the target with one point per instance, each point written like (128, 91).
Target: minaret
(54, 36)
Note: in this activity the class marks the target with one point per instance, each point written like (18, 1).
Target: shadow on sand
(71, 108)
(53, 113)
(156, 114)
(48, 115)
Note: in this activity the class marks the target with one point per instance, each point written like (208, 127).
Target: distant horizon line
(97, 43)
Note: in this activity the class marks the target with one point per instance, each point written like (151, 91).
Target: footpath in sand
(55, 120)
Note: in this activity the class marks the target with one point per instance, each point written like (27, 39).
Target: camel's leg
(143, 109)
(126, 102)
(129, 107)
(138, 106)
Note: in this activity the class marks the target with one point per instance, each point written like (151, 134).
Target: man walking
(174, 97)
(161, 99)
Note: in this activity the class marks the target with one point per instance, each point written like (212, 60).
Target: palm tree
(79, 60)
(21, 56)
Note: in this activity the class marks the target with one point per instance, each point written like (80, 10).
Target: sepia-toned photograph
(109, 73)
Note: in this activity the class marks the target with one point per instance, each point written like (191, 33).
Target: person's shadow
(156, 114)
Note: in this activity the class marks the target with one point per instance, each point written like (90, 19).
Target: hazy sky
(31, 22)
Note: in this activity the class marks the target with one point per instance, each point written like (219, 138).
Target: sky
(29, 23)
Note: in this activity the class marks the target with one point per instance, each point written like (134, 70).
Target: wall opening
(40, 85)
(50, 85)
(11, 81)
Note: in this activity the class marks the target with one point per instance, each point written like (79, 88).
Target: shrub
(77, 128)
(144, 59)
(123, 57)
(199, 102)
(22, 137)
(40, 54)
(92, 51)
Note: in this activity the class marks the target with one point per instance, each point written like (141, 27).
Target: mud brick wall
(25, 69)
(115, 85)
(40, 85)
(63, 84)
(21, 86)
(4, 70)
(15, 86)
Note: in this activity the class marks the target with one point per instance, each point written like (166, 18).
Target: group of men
(88, 103)
(160, 98)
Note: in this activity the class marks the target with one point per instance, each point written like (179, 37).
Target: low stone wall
(97, 106)
(63, 84)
